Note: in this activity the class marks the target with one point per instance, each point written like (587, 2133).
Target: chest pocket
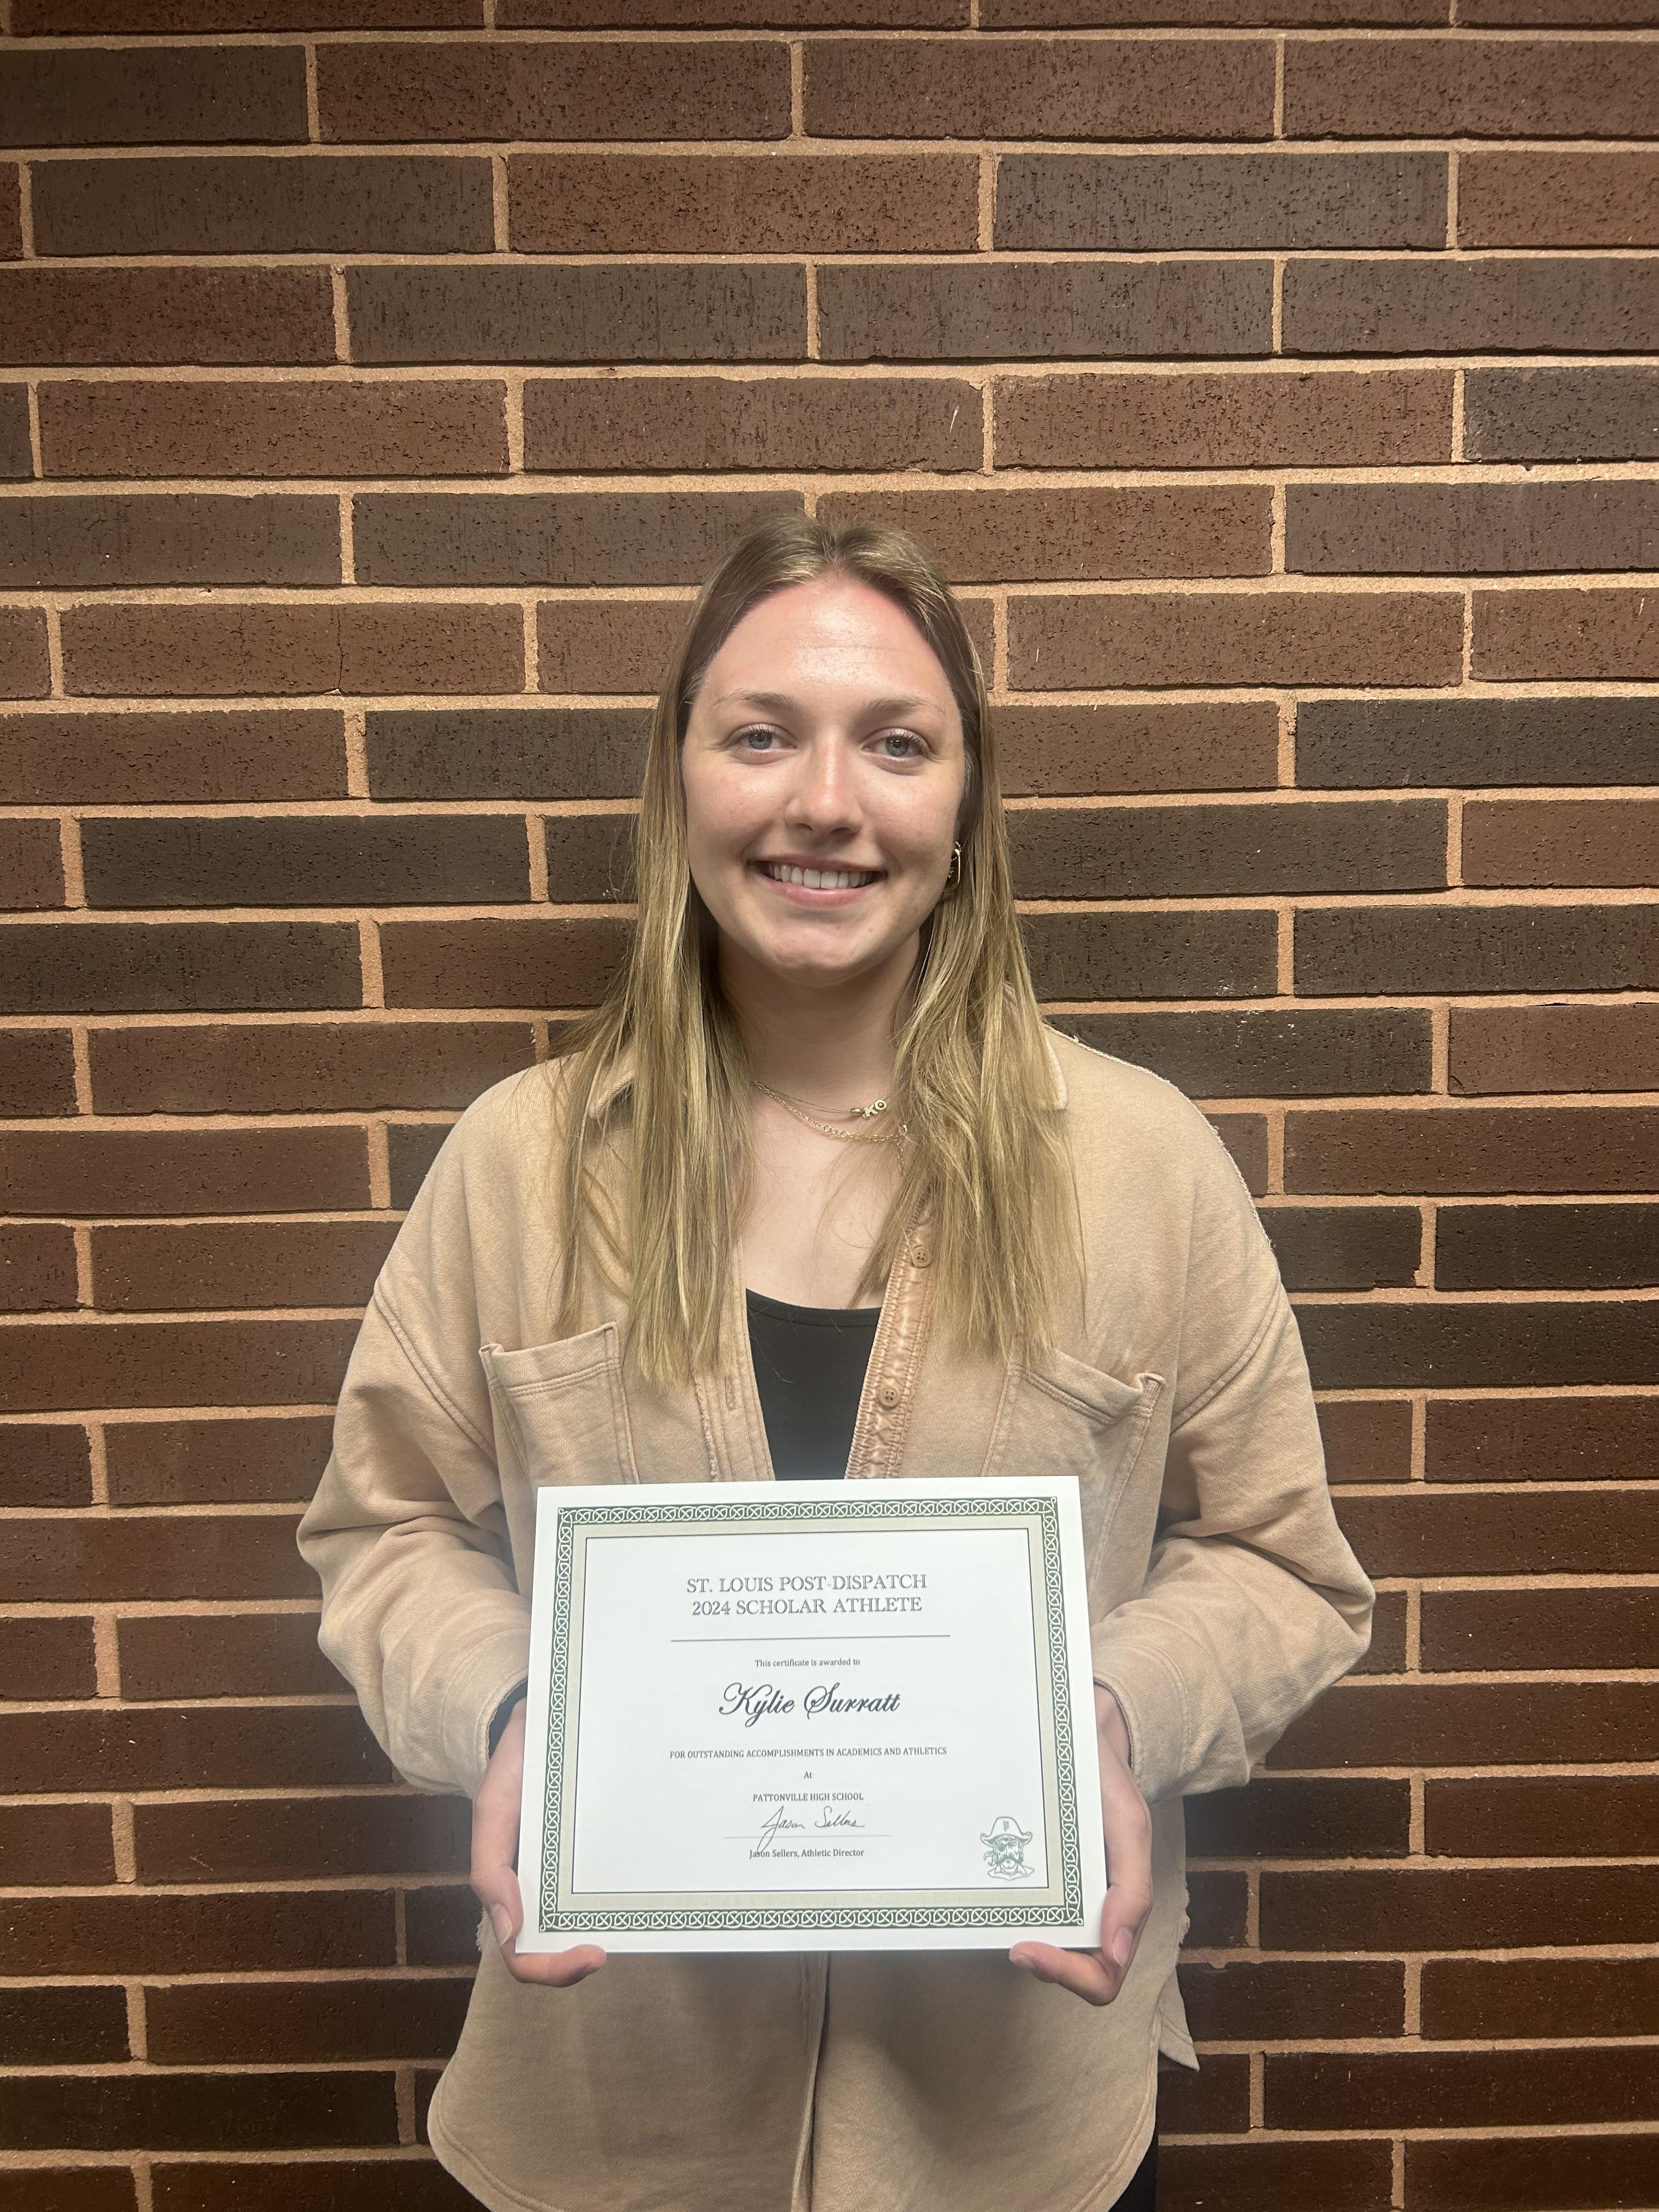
(1064, 1417)
(563, 1406)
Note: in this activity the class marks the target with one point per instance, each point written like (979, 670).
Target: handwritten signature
(779, 1824)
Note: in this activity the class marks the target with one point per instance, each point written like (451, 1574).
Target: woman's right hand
(495, 1880)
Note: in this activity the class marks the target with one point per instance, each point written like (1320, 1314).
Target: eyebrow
(781, 703)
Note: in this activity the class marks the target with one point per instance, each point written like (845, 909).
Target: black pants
(1141, 2194)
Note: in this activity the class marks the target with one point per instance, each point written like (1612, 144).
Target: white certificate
(811, 1716)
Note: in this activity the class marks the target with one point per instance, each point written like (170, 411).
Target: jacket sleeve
(1253, 1603)
(407, 1534)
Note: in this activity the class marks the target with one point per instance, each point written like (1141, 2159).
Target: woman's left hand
(1097, 1976)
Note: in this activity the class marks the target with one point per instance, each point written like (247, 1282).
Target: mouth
(799, 877)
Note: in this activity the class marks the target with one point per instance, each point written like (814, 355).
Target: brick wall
(1280, 379)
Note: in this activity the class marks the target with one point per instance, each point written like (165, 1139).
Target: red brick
(159, 538)
(37, 1268)
(44, 1463)
(1566, 1628)
(1366, 1439)
(1472, 1149)
(642, 89)
(64, 1557)
(1349, 2176)
(1278, 637)
(1557, 2173)
(1237, 419)
(179, 2111)
(552, 538)
(411, 2183)
(1288, 1817)
(243, 1461)
(225, 1363)
(37, 1072)
(423, 427)
(1467, 88)
(31, 864)
(306, 2023)
(64, 2026)
(1246, 1999)
(223, 1654)
(25, 671)
(1417, 1723)
(1561, 1047)
(183, 1170)
(1130, 88)
(1597, 635)
(49, 1846)
(176, 96)
(1040, 535)
(359, 646)
(1469, 1908)
(534, 964)
(1525, 303)
(46, 1659)
(1603, 1439)
(767, 203)
(632, 424)
(303, 1747)
(63, 316)
(94, 756)
(1563, 1816)
(302, 1067)
(301, 1838)
(1150, 746)
(119, 967)
(1557, 199)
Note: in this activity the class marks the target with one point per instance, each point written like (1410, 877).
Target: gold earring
(953, 874)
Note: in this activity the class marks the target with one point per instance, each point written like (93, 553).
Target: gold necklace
(841, 1136)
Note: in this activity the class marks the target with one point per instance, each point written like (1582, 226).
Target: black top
(809, 1364)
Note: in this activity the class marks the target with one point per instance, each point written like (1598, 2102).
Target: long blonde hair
(658, 1076)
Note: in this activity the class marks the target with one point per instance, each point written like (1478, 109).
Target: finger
(498, 1891)
(1085, 1973)
(1128, 1824)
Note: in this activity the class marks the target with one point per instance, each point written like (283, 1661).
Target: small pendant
(867, 1113)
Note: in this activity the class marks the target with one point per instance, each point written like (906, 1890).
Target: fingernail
(1123, 1944)
(501, 1921)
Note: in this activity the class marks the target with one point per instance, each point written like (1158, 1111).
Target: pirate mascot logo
(1004, 1850)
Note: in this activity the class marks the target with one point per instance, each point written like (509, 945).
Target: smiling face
(823, 775)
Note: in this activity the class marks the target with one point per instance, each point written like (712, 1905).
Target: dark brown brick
(50, 1845)
(1349, 2176)
(1218, 1903)
(1485, 304)
(541, 312)
(1043, 310)
(1245, 1136)
(1280, 1817)
(1247, 1999)
(1434, 87)
(1042, 535)
(308, 1746)
(1546, 13)
(632, 89)
(153, 2110)
(1460, 2089)
(300, 1838)
(1471, 1149)
(46, 1659)
(553, 537)
(634, 423)
(1404, 742)
(1237, 419)
(589, 857)
(114, 967)
(177, 537)
(268, 1067)
(314, 203)
(31, 864)
(44, 1463)
(130, 18)
(1366, 1439)
(25, 669)
(1575, 636)
(327, 860)
(1466, 1346)
(1184, 850)
(1163, 956)
(1278, 637)
(1472, 1908)
(1483, 529)
(227, 1363)
(765, 203)
(1023, 15)
(134, 759)
(1262, 1052)
(1557, 2173)
(11, 218)
(1359, 950)
(1414, 1724)
(1134, 88)
(37, 1072)
(140, 1268)
(1600, 1247)
(509, 752)
(301, 2023)
(442, 1927)
(1152, 746)
(1185, 203)
(1213, 2101)
(64, 317)
(240, 1462)
(1565, 1439)
(1343, 1248)
(1590, 414)
(556, 962)
(354, 646)
(67, 2026)
(1561, 1816)
(16, 455)
(147, 428)
(170, 96)
(1416, 1531)
(254, 1655)
(413, 1146)
(411, 2183)
(67, 2189)
(1386, 1653)
(708, 14)
(103, 1172)
(1482, 1631)
(64, 1557)
(1557, 199)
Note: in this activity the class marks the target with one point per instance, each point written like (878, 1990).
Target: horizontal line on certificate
(760, 1642)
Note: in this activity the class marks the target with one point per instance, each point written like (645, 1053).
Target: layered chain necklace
(865, 1114)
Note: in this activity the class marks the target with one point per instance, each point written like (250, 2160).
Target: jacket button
(888, 1394)
(919, 1255)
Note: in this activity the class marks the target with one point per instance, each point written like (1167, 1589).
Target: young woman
(817, 1194)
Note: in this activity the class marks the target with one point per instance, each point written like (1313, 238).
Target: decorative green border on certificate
(1008, 1909)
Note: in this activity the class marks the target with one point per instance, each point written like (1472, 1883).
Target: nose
(822, 798)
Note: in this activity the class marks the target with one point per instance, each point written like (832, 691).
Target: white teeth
(819, 879)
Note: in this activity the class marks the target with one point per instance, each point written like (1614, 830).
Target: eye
(900, 745)
(755, 737)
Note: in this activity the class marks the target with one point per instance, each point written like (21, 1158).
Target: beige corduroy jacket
(1222, 1594)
